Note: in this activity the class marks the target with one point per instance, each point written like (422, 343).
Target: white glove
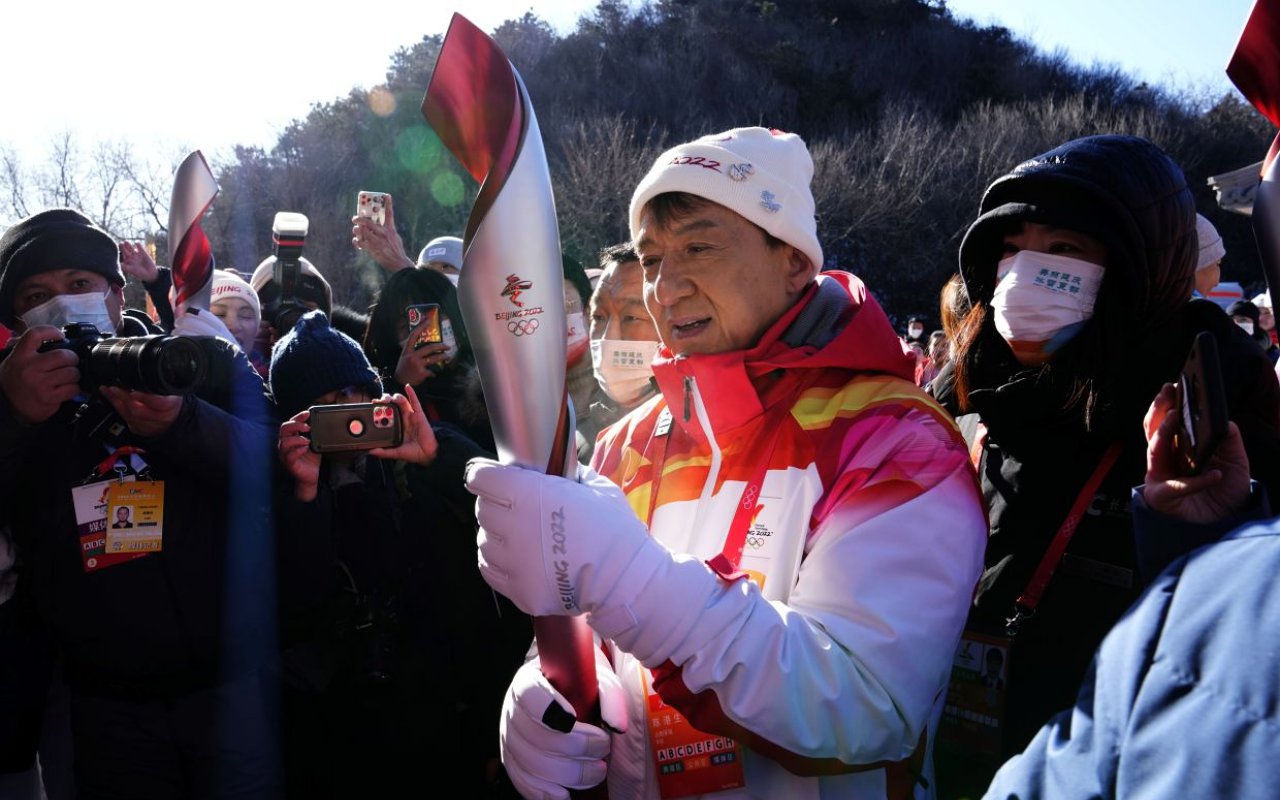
(543, 761)
(558, 547)
(201, 322)
(554, 546)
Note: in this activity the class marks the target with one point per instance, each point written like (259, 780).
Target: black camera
(158, 364)
(289, 236)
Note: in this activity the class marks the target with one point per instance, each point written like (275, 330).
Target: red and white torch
(511, 293)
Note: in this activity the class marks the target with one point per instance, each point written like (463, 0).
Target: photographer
(360, 654)
(287, 284)
(161, 705)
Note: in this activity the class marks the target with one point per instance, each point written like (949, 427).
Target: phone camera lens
(355, 427)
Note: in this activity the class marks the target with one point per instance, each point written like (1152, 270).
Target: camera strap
(1025, 606)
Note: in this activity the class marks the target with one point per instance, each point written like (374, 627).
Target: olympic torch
(1254, 68)
(190, 256)
(511, 293)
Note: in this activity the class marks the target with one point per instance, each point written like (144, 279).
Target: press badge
(688, 761)
(975, 708)
(90, 503)
(135, 517)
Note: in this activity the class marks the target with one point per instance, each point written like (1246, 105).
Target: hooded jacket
(1047, 428)
(864, 548)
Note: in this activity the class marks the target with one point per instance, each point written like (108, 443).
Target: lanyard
(1025, 607)
(726, 563)
(111, 460)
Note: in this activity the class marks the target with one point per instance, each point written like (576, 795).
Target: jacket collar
(736, 386)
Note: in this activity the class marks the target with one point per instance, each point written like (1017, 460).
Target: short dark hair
(619, 253)
(671, 206)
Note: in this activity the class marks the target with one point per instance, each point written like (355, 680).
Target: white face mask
(915, 331)
(63, 309)
(1042, 300)
(623, 368)
(1246, 326)
(453, 277)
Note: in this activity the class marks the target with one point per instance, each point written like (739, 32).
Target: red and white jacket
(830, 665)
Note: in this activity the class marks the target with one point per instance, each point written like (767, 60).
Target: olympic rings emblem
(522, 327)
(749, 496)
(755, 542)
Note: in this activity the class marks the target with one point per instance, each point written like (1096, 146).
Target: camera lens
(355, 427)
(154, 364)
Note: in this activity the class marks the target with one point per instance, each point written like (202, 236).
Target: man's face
(617, 305)
(43, 286)
(711, 282)
(122, 514)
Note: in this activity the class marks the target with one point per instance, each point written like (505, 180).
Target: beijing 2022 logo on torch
(517, 325)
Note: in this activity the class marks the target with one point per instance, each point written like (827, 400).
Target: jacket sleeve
(847, 671)
(229, 424)
(14, 436)
(1160, 540)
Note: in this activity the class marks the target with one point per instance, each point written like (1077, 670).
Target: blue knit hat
(314, 359)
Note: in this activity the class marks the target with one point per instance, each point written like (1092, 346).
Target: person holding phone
(443, 373)
(359, 640)
(1079, 269)
(379, 237)
(1192, 720)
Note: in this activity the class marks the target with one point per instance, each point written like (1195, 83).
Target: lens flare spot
(447, 189)
(418, 149)
(382, 102)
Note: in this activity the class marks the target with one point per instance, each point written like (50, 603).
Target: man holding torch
(777, 552)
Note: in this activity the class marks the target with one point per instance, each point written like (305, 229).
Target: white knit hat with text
(759, 173)
(227, 284)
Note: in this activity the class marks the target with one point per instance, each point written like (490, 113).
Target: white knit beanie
(227, 284)
(265, 273)
(1211, 248)
(761, 174)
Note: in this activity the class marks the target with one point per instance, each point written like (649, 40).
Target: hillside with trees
(909, 112)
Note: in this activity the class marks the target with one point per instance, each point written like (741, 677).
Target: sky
(237, 72)
(1185, 43)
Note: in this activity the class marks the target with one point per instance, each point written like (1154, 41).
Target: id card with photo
(90, 503)
(135, 517)
(974, 712)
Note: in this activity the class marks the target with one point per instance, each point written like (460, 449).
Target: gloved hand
(201, 322)
(554, 546)
(545, 760)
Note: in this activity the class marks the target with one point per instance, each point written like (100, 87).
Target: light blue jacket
(1183, 699)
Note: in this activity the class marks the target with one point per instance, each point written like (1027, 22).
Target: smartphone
(346, 427)
(429, 313)
(372, 205)
(1202, 406)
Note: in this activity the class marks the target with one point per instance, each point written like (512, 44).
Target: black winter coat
(1043, 440)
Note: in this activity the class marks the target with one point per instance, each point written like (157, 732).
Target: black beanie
(60, 238)
(314, 359)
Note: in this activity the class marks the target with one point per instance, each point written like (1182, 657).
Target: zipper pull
(688, 395)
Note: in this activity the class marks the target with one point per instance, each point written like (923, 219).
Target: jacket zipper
(693, 397)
